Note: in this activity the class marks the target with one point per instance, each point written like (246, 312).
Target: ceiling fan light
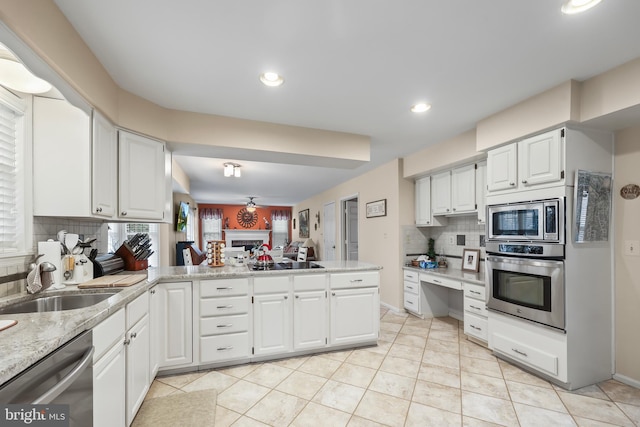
(251, 205)
(571, 7)
(232, 169)
(236, 172)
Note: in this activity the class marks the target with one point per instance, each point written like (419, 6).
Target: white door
(138, 380)
(441, 193)
(355, 315)
(309, 320)
(423, 201)
(175, 334)
(463, 189)
(329, 232)
(481, 192)
(350, 230)
(540, 158)
(108, 386)
(271, 323)
(502, 169)
(104, 167)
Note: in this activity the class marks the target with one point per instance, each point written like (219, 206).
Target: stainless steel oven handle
(68, 379)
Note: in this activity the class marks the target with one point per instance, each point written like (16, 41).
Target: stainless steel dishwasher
(63, 377)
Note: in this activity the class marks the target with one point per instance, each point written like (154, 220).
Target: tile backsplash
(12, 277)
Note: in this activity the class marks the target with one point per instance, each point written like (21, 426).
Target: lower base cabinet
(137, 340)
(175, 324)
(271, 324)
(309, 320)
(355, 315)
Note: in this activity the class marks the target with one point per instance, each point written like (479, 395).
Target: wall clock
(247, 219)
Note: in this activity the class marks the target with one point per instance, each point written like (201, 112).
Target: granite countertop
(451, 273)
(38, 334)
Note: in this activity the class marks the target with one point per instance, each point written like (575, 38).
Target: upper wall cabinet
(454, 192)
(424, 218)
(532, 162)
(104, 172)
(481, 192)
(142, 180)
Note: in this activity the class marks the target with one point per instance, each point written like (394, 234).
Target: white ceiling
(349, 65)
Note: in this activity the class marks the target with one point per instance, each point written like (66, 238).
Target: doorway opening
(349, 229)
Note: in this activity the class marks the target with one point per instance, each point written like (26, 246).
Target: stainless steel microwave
(537, 221)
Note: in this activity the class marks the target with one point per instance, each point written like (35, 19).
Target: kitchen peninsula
(201, 317)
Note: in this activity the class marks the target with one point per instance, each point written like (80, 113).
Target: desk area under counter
(448, 292)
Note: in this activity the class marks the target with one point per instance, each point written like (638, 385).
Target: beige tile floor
(422, 373)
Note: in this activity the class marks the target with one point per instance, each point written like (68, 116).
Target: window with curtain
(14, 161)
(280, 228)
(119, 232)
(211, 222)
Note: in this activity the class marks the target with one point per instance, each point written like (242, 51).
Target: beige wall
(378, 238)
(171, 236)
(627, 268)
(459, 149)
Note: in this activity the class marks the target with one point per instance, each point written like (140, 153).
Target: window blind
(10, 237)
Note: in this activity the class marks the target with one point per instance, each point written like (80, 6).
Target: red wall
(231, 212)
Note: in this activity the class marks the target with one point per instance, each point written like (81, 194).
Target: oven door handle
(68, 379)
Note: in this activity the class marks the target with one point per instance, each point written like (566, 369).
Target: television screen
(183, 214)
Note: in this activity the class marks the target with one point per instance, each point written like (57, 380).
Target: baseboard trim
(629, 381)
(392, 308)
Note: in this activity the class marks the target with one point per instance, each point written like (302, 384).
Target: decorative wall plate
(247, 219)
(630, 191)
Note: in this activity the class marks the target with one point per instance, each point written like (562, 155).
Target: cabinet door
(155, 331)
(355, 315)
(271, 324)
(175, 337)
(138, 380)
(104, 167)
(441, 193)
(502, 169)
(540, 159)
(481, 192)
(141, 187)
(109, 384)
(463, 189)
(309, 320)
(423, 201)
(61, 159)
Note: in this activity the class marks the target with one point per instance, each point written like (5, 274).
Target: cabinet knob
(98, 209)
(524, 181)
(297, 296)
(127, 341)
(447, 209)
(453, 209)
(428, 222)
(123, 213)
(152, 291)
(134, 334)
(286, 297)
(333, 293)
(512, 184)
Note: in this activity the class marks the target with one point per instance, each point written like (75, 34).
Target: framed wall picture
(471, 260)
(303, 222)
(377, 208)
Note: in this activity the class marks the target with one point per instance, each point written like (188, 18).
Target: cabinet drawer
(475, 306)
(268, 285)
(360, 279)
(412, 302)
(411, 276)
(223, 306)
(475, 326)
(224, 324)
(137, 309)
(524, 353)
(441, 281)
(474, 291)
(226, 287)
(310, 282)
(223, 347)
(107, 333)
(410, 287)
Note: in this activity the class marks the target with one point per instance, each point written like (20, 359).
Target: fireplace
(246, 244)
(245, 238)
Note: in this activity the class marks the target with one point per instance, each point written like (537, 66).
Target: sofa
(291, 251)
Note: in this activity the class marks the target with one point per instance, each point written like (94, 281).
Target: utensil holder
(130, 263)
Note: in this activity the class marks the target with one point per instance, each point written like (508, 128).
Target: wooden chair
(302, 254)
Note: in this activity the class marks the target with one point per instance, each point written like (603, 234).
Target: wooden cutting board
(116, 281)
(5, 324)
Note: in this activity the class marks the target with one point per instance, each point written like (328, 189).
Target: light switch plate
(632, 247)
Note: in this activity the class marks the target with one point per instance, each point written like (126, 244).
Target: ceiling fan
(251, 205)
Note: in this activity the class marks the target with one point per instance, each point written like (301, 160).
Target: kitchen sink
(57, 303)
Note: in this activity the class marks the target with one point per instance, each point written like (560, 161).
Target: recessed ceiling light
(420, 107)
(571, 7)
(271, 79)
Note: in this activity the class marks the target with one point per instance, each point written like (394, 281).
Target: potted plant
(431, 252)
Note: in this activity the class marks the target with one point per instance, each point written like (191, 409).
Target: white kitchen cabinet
(424, 218)
(533, 162)
(137, 342)
(475, 311)
(309, 311)
(109, 372)
(463, 189)
(155, 331)
(412, 295)
(272, 323)
(441, 193)
(104, 168)
(224, 320)
(355, 315)
(175, 333)
(141, 184)
(481, 192)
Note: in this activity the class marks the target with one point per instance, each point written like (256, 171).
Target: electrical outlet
(632, 247)
(452, 240)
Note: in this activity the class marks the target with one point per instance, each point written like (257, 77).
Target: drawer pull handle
(224, 289)
(475, 327)
(475, 308)
(225, 306)
(225, 348)
(355, 280)
(409, 302)
(521, 353)
(409, 287)
(436, 281)
(229, 325)
(475, 292)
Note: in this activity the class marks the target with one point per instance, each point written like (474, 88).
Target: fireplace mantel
(234, 234)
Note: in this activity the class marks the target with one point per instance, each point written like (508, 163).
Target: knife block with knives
(135, 252)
